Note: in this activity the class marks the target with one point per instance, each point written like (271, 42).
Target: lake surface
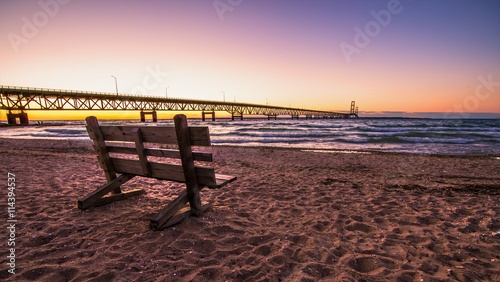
(420, 136)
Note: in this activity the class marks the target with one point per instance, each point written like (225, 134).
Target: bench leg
(175, 212)
(181, 214)
(118, 197)
(165, 214)
(96, 196)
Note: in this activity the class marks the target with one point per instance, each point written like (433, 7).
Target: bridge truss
(23, 99)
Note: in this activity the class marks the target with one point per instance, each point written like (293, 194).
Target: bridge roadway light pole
(116, 84)
(224, 96)
(166, 91)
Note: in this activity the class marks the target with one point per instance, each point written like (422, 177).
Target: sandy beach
(291, 216)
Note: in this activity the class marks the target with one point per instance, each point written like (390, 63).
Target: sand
(290, 216)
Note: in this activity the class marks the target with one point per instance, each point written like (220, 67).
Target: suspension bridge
(18, 100)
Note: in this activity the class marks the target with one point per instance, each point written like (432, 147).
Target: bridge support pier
(271, 116)
(23, 118)
(152, 113)
(11, 118)
(295, 117)
(309, 116)
(203, 113)
(236, 115)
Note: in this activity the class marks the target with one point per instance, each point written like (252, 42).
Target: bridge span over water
(18, 100)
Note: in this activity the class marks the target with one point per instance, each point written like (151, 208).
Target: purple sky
(429, 56)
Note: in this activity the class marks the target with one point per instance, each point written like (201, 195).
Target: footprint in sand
(371, 265)
(317, 270)
(263, 250)
(358, 226)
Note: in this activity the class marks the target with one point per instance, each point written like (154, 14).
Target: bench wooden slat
(139, 146)
(199, 136)
(172, 172)
(166, 153)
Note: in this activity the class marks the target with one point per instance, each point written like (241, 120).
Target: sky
(401, 57)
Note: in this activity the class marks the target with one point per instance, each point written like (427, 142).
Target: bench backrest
(125, 149)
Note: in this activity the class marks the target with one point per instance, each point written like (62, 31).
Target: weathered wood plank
(97, 137)
(172, 172)
(199, 136)
(139, 146)
(118, 197)
(166, 153)
(179, 216)
(90, 199)
(166, 213)
(221, 180)
(190, 177)
(182, 214)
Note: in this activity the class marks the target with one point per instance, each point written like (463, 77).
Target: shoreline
(291, 215)
(439, 137)
(64, 142)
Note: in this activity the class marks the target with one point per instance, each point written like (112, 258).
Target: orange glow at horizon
(37, 115)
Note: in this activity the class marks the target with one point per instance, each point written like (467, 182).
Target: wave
(66, 131)
(268, 129)
(397, 135)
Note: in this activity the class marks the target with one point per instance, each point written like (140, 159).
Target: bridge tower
(354, 110)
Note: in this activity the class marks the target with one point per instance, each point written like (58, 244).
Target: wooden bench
(123, 153)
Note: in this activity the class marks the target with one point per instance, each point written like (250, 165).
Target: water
(420, 136)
